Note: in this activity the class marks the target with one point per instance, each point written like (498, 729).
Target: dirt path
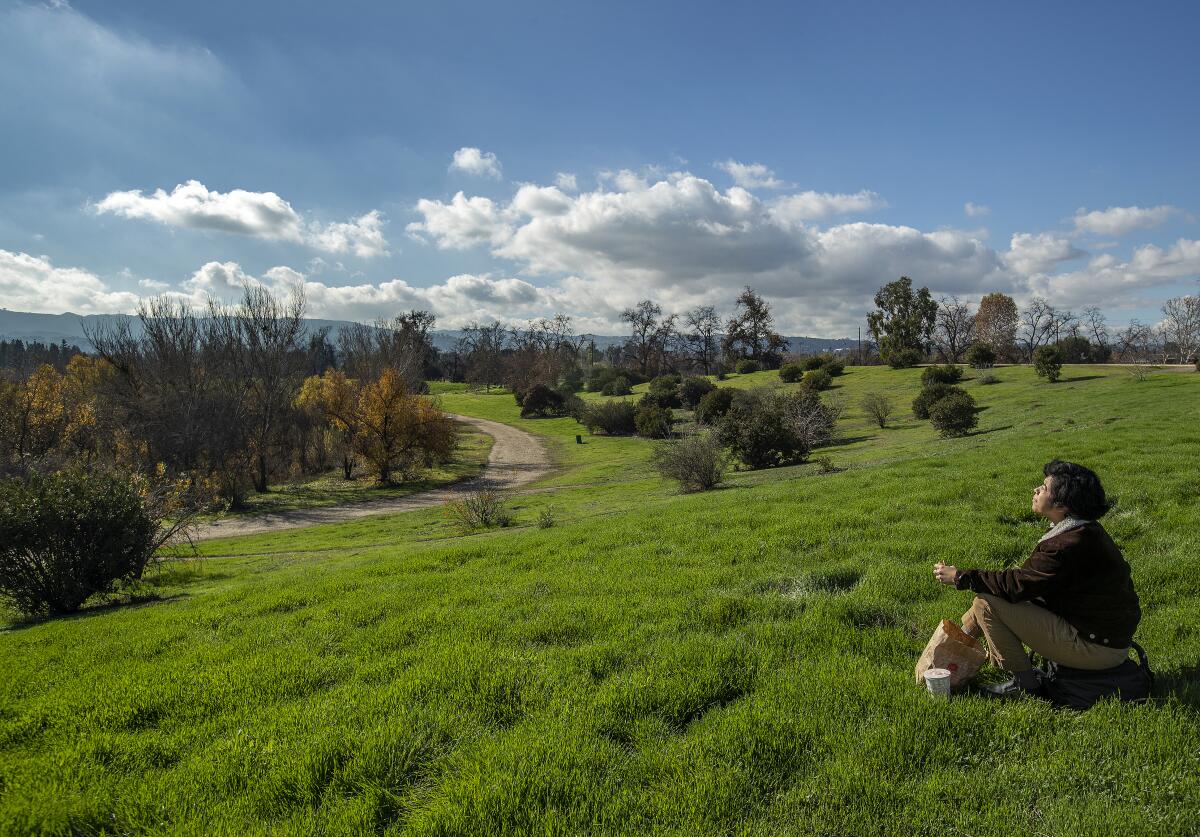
(517, 458)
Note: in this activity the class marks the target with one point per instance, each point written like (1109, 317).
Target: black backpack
(1079, 688)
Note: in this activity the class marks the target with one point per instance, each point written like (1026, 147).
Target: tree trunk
(348, 467)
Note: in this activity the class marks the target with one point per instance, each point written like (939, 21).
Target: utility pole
(860, 345)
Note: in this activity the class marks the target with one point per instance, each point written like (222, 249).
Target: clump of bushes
(747, 365)
(541, 401)
(954, 414)
(905, 358)
(652, 421)
(697, 462)
(665, 392)
(617, 386)
(817, 380)
(1047, 362)
(815, 362)
(878, 407)
(948, 374)
(71, 535)
(693, 388)
(613, 418)
(484, 509)
(714, 405)
(981, 356)
(789, 373)
(989, 379)
(930, 395)
(764, 428)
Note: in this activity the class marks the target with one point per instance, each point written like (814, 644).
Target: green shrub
(697, 462)
(599, 377)
(747, 365)
(929, 396)
(905, 358)
(989, 379)
(71, 535)
(652, 420)
(789, 373)
(954, 414)
(617, 386)
(764, 428)
(546, 518)
(834, 367)
(817, 380)
(1047, 361)
(815, 362)
(614, 418)
(693, 389)
(878, 407)
(664, 391)
(948, 374)
(981, 356)
(542, 401)
(570, 382)
(713, 406)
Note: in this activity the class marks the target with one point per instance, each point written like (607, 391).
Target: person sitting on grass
(1072, 601)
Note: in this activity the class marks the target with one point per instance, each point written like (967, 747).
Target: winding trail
(517, 458)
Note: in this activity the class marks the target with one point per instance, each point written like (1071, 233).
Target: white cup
(937, 681)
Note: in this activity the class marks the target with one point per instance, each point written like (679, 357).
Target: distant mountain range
(57, 328)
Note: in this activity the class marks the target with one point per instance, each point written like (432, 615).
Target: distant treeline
(21, 358)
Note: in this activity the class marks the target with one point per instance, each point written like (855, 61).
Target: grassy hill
(738, 661)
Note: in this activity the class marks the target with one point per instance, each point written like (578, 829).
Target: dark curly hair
(1076, 488)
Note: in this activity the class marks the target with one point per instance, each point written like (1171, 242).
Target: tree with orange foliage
(401, 430)
(334, 398)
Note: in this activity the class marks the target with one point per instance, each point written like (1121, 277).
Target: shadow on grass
(1081, 378)
(1183, 684)
(991, 430)
(131, 601)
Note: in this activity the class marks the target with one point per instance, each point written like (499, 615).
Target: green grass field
(734, 662)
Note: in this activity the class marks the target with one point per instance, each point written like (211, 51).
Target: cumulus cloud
(1110, 281)
(460, 224)
(751, 175)
(262, 215)
(32, 283)
(813, 206)
(976, 210)
(566, 181)
(476, 162)
(1119, 220)
(1031, 253)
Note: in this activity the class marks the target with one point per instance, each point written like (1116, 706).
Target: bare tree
(1181, 325)
(1036, 326)
(482, 347)
(701, 336)
(996, 323)
(1094, 321)
(652, 334)
(1133, 342)
(954, 328)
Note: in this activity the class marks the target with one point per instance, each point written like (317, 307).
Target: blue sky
(605, 153)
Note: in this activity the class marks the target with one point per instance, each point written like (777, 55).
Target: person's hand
(943, 573)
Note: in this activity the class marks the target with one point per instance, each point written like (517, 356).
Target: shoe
(1009, 690)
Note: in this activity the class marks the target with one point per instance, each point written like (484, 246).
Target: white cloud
(32, 283)
(476, 162)
(976, 210)
(152, 285)
(566, 182)
(1031, 253)
(262, 215)
(1108, 281)
(462, 223)
(1119, 220)
(751, 175)
(813, 206)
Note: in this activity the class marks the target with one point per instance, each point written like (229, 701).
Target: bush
(617, 386)
(543, 401)
(1047, 361)
(653, 421)
(834, 367)
(480, 510)
(878, 407)
(954, 414)
(746, 366)
(789, 373)
(614, 418)
(905, 358)
(570, 382)
(698, 462)
(929, 396)
(599, 377)
(816, 361)
(546, 518)
(817, 380)
(664, 391)
(693, 389)
(713, 406)
(764, 428)
(71, 535)
(948, 374)
(981, 356)
(989, 379)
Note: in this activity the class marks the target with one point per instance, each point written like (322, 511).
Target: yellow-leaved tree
(334, 398)
(401, 431)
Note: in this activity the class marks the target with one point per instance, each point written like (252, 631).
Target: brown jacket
(1079, 575)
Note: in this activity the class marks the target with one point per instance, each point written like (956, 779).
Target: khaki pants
(1009, 627)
